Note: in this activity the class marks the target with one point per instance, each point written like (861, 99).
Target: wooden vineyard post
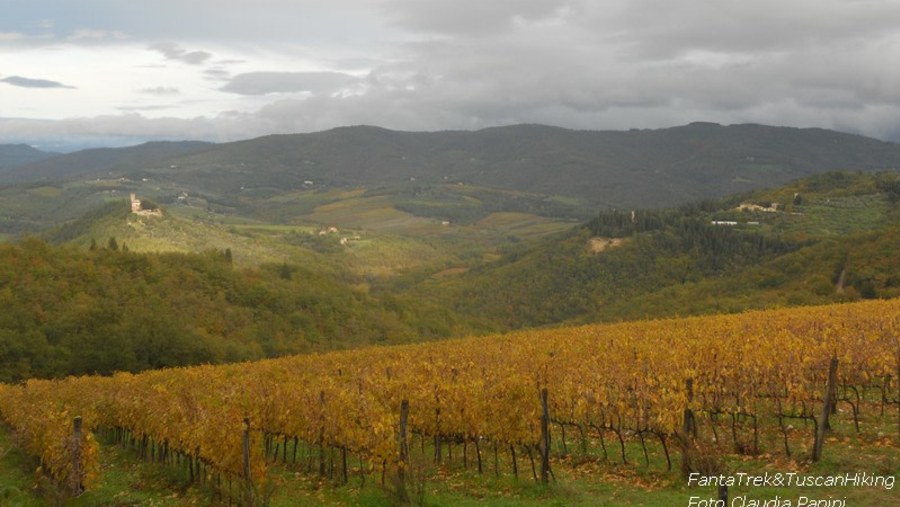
(690, 423)
(545, 438)
(322, 434)
(343, 464)
(688, 436)
(826, 409)
(76, 481)
(246, 468)
(403, 445)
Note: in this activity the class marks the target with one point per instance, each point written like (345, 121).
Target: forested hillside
(73, 312)
(835, 239)
(98, 307)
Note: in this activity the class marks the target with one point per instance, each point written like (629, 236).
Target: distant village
(750, 207)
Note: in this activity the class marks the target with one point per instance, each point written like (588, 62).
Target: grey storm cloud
(661, 28)
(448, 64)
(474, 17)
(25, 82)
(261, 83)
(656, 60)
(173, 51)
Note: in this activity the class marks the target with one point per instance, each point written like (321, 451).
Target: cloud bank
(235, 69)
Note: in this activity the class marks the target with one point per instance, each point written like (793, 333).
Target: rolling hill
(828, 238)
(622, 169)
(14, 155)
(362, 236)
(97, 162)
(483, 224)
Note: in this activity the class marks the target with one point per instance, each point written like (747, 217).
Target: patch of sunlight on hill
(383, 256)
(376, 213)
(171, 234)
(364, 254)
(523, 225)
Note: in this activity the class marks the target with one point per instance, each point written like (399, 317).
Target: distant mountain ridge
(636, 168)
(98, 161)
(14, 155)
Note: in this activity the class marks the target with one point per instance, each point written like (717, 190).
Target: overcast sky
(113, 71)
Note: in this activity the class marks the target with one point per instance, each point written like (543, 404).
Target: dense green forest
(68, 311)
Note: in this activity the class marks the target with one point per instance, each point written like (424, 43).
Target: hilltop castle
(138, 209)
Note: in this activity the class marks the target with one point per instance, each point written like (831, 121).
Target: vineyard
(514, 396)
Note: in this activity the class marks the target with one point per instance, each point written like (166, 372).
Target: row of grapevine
(622, 379)
(42, 413)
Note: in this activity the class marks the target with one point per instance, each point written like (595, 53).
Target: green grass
(124, 481)
(15, 477)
